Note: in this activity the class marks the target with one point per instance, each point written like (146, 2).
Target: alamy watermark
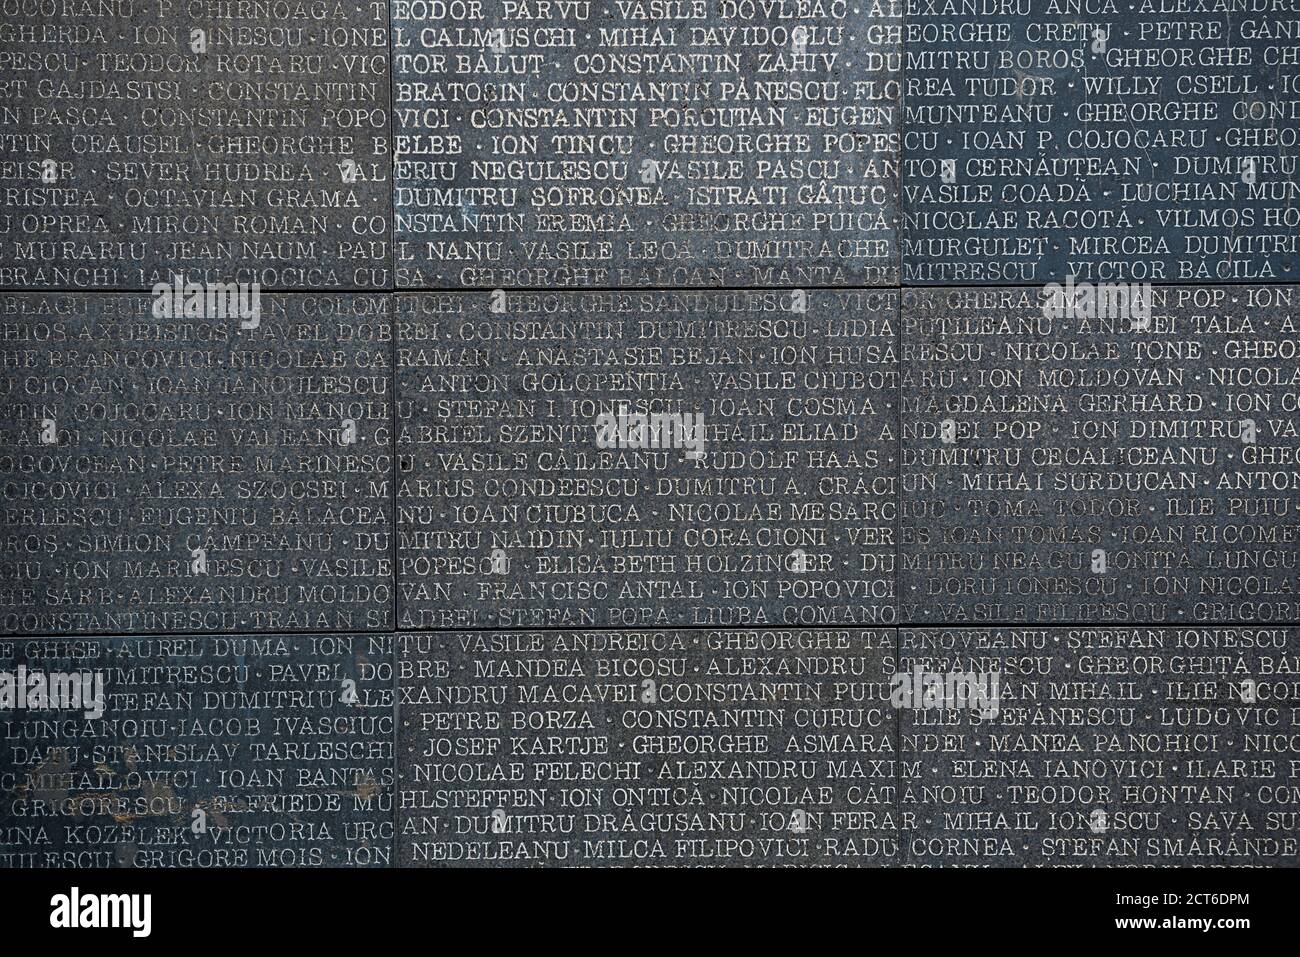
(1107, 300)
(208, 300)
(24, 690)
(653, 430)
(133, 912)
(974, 690)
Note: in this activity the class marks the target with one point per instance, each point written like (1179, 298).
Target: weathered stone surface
(1100, 141)
(175, 475)
(632, 748)
(698, 144)
(643, 402)
(1098, 472)
(238, 751)
(512, 514)
(219, 141)
(1111, 747)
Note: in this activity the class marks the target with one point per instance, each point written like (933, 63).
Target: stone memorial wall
(649, 433)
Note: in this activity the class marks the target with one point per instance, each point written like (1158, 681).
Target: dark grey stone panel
(1102, 140)
(512, 514)
(1097, 472)
(237, 751)
(244, 141)
(177, 475)
(626, 143)
(1111, 746)
(646, 748)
